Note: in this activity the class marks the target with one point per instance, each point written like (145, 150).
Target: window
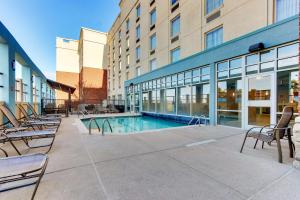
(119, 83)
(184, 100)
(214, 38)
(120, 65)
(127, 76)
(145, 102)
(138, 32)
(152, 100)
(127, 60)
(119, 34)
(175, 55)
(127, 43)
(175, 26)
(200, 99)
(212, 5)
(153, 42)
(127, 25)
(138, 53)
(138, 71)
(288, 56)
(120, 50)
(153, 17)
(114, 69)
(138, 11)
(229, 102)
(286, 9)
(152, 64)
(170, 101)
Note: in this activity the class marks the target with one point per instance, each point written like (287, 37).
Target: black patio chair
(276, 132)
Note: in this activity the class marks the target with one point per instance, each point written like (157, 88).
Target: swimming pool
(132, 124)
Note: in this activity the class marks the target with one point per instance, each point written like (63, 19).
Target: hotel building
(235, 62)
(80, 63)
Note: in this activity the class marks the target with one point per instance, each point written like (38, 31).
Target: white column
(296, 140)
(27, 81)
(38, 85)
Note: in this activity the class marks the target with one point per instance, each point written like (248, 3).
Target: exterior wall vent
(213, 16)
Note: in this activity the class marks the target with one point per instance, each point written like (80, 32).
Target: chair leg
(279, 147)
(244, 142)
(39, 179)
(262, 145)
(255, 144)
(290, 144)
(6, 155)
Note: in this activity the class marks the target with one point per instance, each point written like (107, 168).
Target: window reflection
(200, 99)
(259, 88)
(145, 101)
(287, 90)
(170, 101)
(184, 100)
(230, 94)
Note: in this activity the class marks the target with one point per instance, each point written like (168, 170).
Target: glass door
(259, 104)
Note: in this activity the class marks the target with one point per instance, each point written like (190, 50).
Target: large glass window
(229, 102)
(288, 56)
(184, 100)
(286, 8)
(160, 101)
(145, 101)
(170, 101)
(175, 55)
(214, 38)
(212, 5)
(152, 101)
(287, 90)
(138, 71)
(175, 26)
(200, 99)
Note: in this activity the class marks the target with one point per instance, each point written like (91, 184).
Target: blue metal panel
(273, 35)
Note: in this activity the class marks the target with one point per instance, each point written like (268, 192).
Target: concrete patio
(184, 163)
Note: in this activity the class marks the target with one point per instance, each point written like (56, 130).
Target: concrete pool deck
(183, 163)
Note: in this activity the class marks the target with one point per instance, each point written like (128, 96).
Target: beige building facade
(80, 63)
(151, 34)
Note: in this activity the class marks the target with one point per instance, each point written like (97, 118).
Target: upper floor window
(175, 54)
(152, 64)
(153, 42)
(127, 43)
(175, 26)
(153, 17)
(127, 25)
(138, 52)
(138, 11)
(119, 34)
(212, 5)
(120, 50)
(128, 60)
(286, 9)
(138, 71)
(138, 32)
(120, 65)
(214, 38)
(173, 2)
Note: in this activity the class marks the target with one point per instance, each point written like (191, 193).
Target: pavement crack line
(271, 184)
(102, 187)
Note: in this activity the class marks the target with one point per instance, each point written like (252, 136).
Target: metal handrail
(83, 113)
(190, 122)
(90, 125)
(106, 120)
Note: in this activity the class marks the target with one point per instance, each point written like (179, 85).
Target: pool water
(132, 124)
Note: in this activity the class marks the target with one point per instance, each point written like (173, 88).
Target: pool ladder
(199, 118)
(93, 119)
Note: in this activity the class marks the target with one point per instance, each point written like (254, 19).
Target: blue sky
(36, 23)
